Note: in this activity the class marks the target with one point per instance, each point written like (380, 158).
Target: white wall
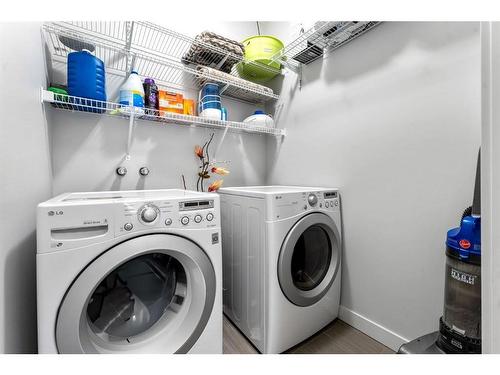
(490, 187)
(87, 148)
(25, 181)
(393, 120)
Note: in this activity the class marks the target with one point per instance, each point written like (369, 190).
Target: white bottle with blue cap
(259, 118)
(132, 91)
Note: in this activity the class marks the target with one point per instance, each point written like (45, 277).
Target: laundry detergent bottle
(86, 79)
(132, 91)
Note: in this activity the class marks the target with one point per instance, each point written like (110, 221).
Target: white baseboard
(371, 328)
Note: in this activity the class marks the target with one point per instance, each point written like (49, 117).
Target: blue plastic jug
(209, 97)
(87, 79)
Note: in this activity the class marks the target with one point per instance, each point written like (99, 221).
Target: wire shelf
(321, 39)
(158, 53)
(84, 105)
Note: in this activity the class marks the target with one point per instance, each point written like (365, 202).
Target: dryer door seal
(149, 294)
(309, 259)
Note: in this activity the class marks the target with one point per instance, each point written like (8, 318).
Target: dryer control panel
(291, 204)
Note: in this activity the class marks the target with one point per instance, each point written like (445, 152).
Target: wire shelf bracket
(129, 32)
(130, 138)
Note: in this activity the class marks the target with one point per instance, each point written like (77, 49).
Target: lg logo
(52, 213)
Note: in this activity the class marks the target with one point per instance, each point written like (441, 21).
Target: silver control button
(168, 222)
(327, 204)
(128, 226)
(210, 216)
(336, 202)
(184, 220)
(148, 213)
(198, 219)
(312, 199)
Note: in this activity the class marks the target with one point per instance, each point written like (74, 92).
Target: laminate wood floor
(336, 338)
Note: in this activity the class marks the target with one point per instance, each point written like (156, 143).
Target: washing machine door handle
(309, 259)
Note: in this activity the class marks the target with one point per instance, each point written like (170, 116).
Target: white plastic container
(132, 91)
(259, 118)
(212, 113)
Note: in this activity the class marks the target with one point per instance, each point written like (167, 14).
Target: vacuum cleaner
(460, 326)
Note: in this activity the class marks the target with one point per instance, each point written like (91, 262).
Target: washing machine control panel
(66, 223)
(191, 213)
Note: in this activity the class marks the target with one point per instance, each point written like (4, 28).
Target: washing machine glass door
(150, 294)
(309, 259)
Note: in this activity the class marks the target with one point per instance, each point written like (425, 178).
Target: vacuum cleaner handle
(476, 201)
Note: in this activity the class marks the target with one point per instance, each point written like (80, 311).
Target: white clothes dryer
(129, 272)
(281, 249)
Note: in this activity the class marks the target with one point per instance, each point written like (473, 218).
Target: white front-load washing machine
(281, 251)
(129, 272)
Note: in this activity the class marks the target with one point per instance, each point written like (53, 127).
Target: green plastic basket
(259, 49)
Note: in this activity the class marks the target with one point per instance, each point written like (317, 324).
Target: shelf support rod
(220, 143)
(219, 65)
(221, 91)
(131, 124)
(128, 44)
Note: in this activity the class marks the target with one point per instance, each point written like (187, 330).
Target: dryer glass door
(150, 294)
(309, 259)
